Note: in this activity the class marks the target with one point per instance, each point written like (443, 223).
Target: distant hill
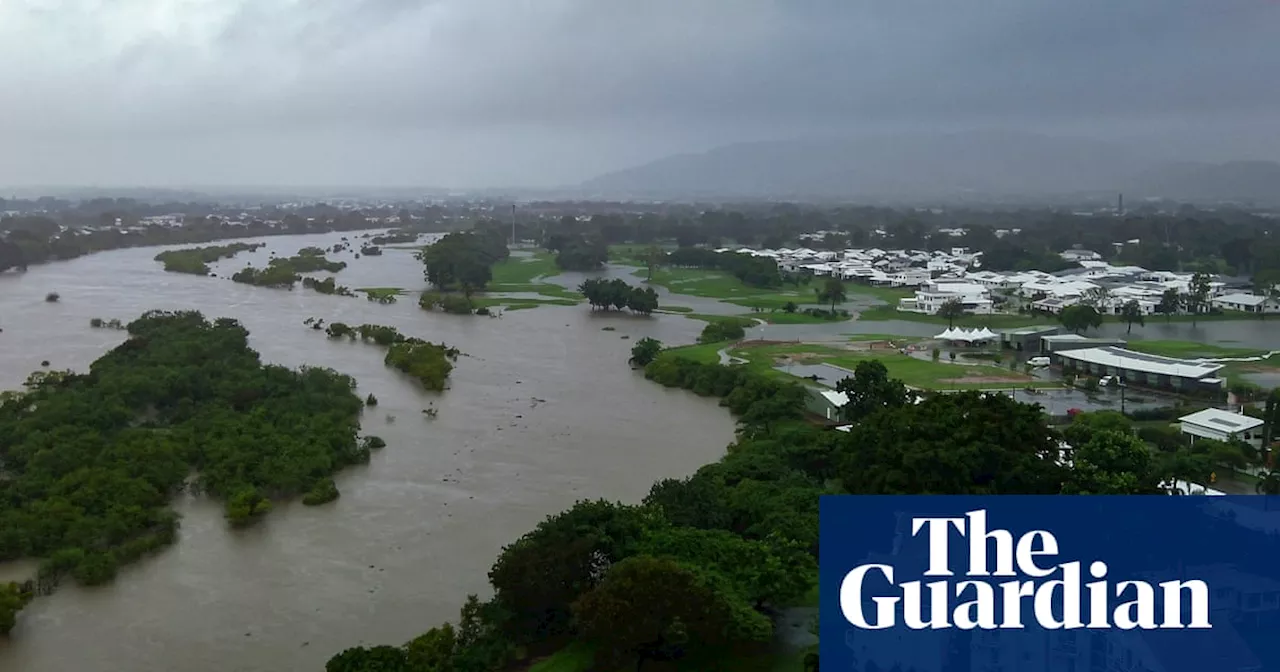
(965, 164)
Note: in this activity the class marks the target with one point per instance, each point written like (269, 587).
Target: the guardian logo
(1030, 564)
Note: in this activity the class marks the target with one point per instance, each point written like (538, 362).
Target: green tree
(1113, 462)
(1170, 303)
(1131, 311)
(962, 443)
(832, 291)
(764, 572)
(645, 350)
(543, 572)
(653, 258)
(1079, 318)
(1198, 295)
(651, 608)
(869, 390)
(951, 309)
(374, 659)
(12, 599)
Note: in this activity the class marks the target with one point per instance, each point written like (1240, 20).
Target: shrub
(51, 297)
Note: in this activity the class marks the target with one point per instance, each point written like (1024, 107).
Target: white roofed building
(1212, 423)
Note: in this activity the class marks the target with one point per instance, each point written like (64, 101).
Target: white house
(1212, 423)
(1249, 303)
(975, 298)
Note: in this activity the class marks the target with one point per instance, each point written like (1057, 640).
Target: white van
(1038, 361)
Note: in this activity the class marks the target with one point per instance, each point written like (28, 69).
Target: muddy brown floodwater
(542, 411)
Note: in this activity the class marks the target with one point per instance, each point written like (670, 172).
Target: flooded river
(543, 411)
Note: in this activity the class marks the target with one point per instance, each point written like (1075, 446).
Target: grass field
(884, 313)
(915, 372)
(797, 318)
(521, 274)
(1191, 349)
(718, 285)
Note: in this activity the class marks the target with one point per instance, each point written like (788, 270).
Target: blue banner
(1052, 584)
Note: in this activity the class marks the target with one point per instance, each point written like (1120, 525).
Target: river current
(542, 411)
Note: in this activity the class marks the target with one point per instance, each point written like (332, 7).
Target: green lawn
(675, 309)
(485, 301)
(1190, 349)
(517, 270)
(998, 321)
(919, 373)
(705, 353)
(894, 338)
(521, 274)
(719, 285)
(744, 321)
(796, 318)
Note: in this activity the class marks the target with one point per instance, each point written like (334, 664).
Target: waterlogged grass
(675, 309)
(522, 275)
(1191, 349)
(740, 320)
(518, 270)
(798, 318)
(381, 292)
(485, 301)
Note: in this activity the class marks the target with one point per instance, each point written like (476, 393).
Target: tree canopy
(90, 461)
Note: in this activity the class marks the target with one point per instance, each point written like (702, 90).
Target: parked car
(1038, 361)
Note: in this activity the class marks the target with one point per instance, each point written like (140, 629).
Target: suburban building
(1248, 303)
(1064, 342)
(975, 298)
(1028, 339)
(1136, 368)
(1213, 423)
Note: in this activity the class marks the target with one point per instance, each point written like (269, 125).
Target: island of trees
(196, 260)
(459, 265)
(429, 363)
(89, 462)
(285, 273)
(616, 294)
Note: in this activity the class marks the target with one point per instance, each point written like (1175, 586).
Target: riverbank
(542, 412)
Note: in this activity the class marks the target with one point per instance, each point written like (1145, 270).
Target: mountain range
(959, 165)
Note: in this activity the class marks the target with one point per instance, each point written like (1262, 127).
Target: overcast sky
(462, 93)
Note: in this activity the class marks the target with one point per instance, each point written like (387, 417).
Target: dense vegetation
(90, 461)
(463, 260)
(577, 252)
(326, 286)
(616, 294)
(695, 572)
(196, 260)
(717, 331)
(753, 271)
(429, 363)
(37, 238)
(286, 272)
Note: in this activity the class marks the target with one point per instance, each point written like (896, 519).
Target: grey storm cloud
(596, 82)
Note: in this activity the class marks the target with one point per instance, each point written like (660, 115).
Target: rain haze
(494, 93)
